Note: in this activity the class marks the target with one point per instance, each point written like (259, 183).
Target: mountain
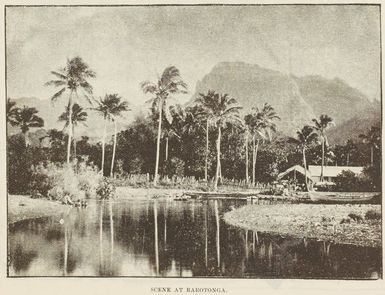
(297, 100)
(358, 124)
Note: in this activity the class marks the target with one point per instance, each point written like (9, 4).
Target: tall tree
(224, 110)
(349, 148)
(248, 119)
(260, 124)
(110, 107)
(321, 126)
(117, 109)
(12, 112)
(206, 104)
(74, 78)
(373, 139)
(168, 84)
(27, 118)
(174, 128)
(305, 138)
(78, 116)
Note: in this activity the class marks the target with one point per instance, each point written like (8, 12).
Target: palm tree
(26, 118)
(206, 104)
(248, 120)
(223, 110)
(78, 115)
(168, 84)
(349, 147)
(304, 139)
(373, 139)
(12, 111)
(117, 108)
(110, 107)
(174, 128)
(321, 126)
(261, 124)
(73, 77)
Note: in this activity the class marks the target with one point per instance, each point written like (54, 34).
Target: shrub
(373, 215)
(55, 181)
(106, 189)
(348, 181)
(89, 179)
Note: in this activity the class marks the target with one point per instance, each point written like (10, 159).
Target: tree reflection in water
(193, 242)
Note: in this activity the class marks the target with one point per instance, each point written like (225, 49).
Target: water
(173, 239)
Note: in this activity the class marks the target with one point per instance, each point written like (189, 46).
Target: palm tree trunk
(304, 165)
(158, 143)
(26, 140)
(323, 160)
(207, 150)
(256, 155)
(74, 139)
(220, 173)
(166, 148)
(104, 144)
(113, 152)
(347, 159)
(70, 105)
(247, 159)
(253, 160)
(218, 158)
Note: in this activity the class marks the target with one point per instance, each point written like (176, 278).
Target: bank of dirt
(322, 222)
(24, 207)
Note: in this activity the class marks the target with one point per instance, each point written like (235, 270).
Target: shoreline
(321, 222)
(23, 207)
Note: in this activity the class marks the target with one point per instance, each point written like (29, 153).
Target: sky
(127, 45)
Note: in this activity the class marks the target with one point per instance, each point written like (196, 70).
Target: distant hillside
(296, 99)
(359, 124)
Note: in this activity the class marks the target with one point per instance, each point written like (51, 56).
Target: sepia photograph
(194, 141)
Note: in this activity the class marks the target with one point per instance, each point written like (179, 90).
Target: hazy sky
(126, 45)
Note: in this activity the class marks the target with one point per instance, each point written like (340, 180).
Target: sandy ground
(23, 207)
(311, 221)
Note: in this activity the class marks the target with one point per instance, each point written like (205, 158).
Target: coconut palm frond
(59, 75)
(148, 87)
(58, 94)
(56, 83)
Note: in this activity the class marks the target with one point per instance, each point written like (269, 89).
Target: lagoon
(166, 238)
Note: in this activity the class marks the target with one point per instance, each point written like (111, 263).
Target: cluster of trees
(208, 138)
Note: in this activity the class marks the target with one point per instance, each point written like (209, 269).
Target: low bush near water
(55, 181)
(347, 181)
(106, 189)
